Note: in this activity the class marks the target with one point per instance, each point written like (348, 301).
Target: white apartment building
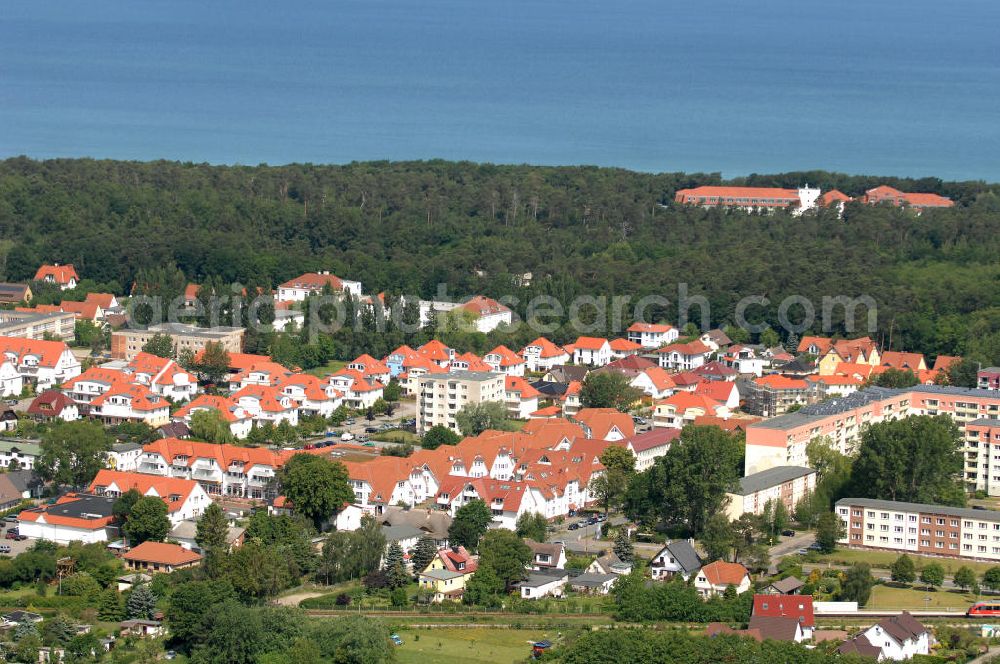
(443, 395)
(652, 335)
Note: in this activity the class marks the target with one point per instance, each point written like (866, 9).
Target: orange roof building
(64, 276)
(160, 557)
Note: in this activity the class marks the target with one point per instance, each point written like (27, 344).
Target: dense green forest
(406, 227)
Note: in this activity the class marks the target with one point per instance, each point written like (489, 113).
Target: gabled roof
(508, 358)
(140, 397)
(695, 347)
(833, 196)
(903, 626)
(547, 348)
(860, 645)
(655, 437)
(684, 554)
(484, 306)
(715, 369)
(47, 352)
(775, 628)
(624, 346)
(147, 485)
(683, 401)
(720, 390)
(60, 274)
(902, 360)
(721, 573)
(797, 607)
(86, 310)
(660, 378)
(474, 362)
(944, 362)
(630, 363)
(314, 281)
(590, 343)
(653, 328)
(516, 384)
(49, 403)
(227, 408)
(103, 300)
(601, 421)
(435, 350)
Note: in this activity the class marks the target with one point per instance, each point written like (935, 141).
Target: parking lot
(15, 546)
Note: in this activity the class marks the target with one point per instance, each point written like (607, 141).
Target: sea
(891, 87)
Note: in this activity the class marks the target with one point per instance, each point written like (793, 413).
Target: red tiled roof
(902, 360)
(516, 384)
(314, 281)
(655, 328)
(695, 347)
(624, 345)
(655, 437)
(590, 343)
(508, 358)
(49, 403)
(722, 573)
(484, 306)
(600, 421)
(772, 195)
(61, 274)
(944, 362)
(799, 607)
(720, 390)
(834, 196)
(85, 310)
(47, 352)
(548, 349)
(228, 409)
(164, 487)
(162, 553)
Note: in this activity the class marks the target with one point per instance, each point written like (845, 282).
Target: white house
(654, 381)
(896, 638)
(745, 360)
(592, 351)
(240, 421)
(521, 397)
(162, 376)
(42, 363)
(652, 335)
(684, 357)
(647, 446)
(675, 558)
(539, 584)
(313, 283)
(489, 314)
(503, 360)
(541, 355)
(185, 499)
(714, 578)
(73, 518)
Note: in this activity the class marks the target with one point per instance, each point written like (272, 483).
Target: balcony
(151, 468)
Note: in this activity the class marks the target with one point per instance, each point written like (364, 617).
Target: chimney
(454, 548)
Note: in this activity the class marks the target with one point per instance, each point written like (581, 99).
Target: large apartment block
(920, 528)
(126, 344)
(34, 325)
(782, 440)
(443, 395)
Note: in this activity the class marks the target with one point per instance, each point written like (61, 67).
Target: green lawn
(884, 559)
(468, 645)
(330, 367)
(890, 597)
(398, 436)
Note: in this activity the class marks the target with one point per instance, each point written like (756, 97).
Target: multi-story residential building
(32, 324)
(503, 360)
(43, 364)
(267, 404)
(774, 394)
(648, 446)
(920, 528)
(682, 408)
(521, 398)
(592, 351)
(226, 470)
(125, 402)
(442, 396)
(127, 343)
(355, 390)
(162, 376)
(18, 454)
(313, 283)
(240, 421)
(782, 440)
(489, 314)
(784, 484)
(684, 357)
(652, 335)
(541, 355)
(185, 499)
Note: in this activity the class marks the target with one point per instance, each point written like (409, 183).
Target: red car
(11, 534)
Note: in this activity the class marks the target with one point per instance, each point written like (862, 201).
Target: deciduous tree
(317, 487)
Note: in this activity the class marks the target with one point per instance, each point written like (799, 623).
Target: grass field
(885, 559)
(891, 597)
(398, 436)
(468, 645)
(330, 367)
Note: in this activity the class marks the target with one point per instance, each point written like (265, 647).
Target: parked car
(349, 421)
(574, 526)
(788, 533)
(371, 429)
(396, 640)
(369, 444)
(802, 552)
(11, 534)
(362, 438)
(12, 402)
(639, 420)
(4, 548)
(347, 435)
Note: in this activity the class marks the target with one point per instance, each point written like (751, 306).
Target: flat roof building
(127, 343)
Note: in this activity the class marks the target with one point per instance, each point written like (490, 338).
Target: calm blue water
(903, 87)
